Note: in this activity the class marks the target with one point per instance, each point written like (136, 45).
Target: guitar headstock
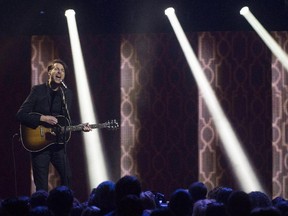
(112, 124)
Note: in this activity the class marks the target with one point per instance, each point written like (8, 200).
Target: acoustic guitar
(37, 139)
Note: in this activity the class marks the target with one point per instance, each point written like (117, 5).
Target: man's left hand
(86, 127)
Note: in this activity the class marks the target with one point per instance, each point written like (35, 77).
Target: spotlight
(69, 12)
(169, 11)
(244, 10)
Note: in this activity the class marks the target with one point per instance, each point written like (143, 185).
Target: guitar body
(37, 139)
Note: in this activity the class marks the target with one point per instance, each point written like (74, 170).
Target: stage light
(69, 13)
(169, 11)
(244, 10)
(95, 159)
(266, 37)
(240, 163)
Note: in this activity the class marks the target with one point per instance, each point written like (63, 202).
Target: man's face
(57, 74)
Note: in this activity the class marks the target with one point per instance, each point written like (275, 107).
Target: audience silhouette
(127, 185)
(103, 196)
(15, 206)
(40, 211)
(200, 206)
(238, 204)
(181, 203)
(281, 204)
(216, 209)
(126, 198)
(60, 201)
(198, 191)
(130, 205)
(91, 211)
(223, 194)
(259, 199)
(265, 211)
(38, 198)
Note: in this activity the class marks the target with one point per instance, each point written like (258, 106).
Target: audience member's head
(282, 205)
(259, 199)
(103, 196)
(38, 198)
(40, 211)
(125, 186)
(212, 194)
(277, 199)
(223, 194)
(180, 202)
(198, 190)
(238, 204)
(200, 206)
(60, 201)
(265, 211)
(15, 206)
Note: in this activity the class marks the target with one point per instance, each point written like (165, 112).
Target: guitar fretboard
(113, 124)
(80, 127)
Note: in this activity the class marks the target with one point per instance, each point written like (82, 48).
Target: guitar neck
(80, 127)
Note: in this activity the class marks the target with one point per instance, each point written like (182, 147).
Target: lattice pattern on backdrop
(280, 120)
(237, 66)
(129, 119)
(159, 112)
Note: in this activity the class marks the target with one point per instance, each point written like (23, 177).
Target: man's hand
(49, 119)
(86, 127)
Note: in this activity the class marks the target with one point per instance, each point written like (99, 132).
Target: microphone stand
(64, 133)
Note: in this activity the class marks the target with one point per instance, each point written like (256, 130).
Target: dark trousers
(40, 166)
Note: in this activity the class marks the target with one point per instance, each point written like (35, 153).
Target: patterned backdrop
(159, 113)
(280, 120)
(167, 135)
(163, 108)
(238, 67)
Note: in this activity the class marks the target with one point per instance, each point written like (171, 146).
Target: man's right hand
(49, 119)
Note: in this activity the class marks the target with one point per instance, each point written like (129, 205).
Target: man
(42, 106)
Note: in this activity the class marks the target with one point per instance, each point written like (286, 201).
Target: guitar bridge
(42, 134)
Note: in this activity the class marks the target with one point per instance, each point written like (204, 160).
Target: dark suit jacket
(39, 101)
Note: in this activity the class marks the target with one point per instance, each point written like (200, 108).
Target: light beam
(232, 146)
(265, 36)
(94, 156)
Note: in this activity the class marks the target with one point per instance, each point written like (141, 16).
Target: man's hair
(51, 65)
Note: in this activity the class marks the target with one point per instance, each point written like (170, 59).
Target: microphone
(64, 85)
